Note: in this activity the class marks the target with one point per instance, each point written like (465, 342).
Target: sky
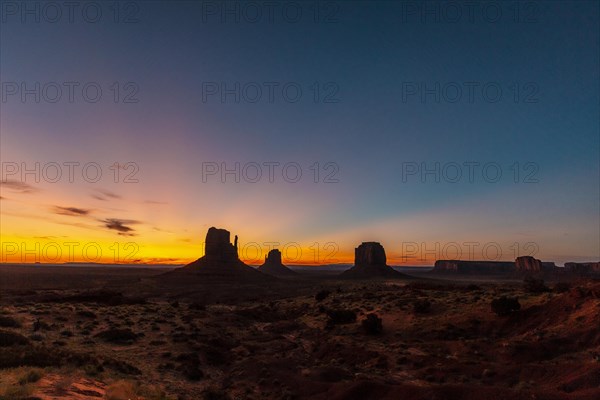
(459, 130)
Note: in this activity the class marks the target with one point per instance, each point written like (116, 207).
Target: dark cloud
(104, 195)
(120, 225)
(18, 186)
(71, 211)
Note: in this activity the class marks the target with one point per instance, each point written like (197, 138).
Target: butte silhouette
(220, 262)
(370, 262)
(273, 265)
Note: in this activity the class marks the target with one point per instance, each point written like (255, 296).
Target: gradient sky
(374, 55)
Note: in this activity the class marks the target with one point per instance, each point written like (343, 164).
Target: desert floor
(121, 334)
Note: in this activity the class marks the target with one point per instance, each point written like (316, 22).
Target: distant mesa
(523, 265)
(472, 267)
(370, 262)
(587, 268)
(274, 266)
(528, 264)
(220, 261)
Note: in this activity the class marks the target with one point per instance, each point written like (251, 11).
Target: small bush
(9, 322)
(505, 305)
(30, 356)
(8, 338)
(36, 337)
(372, 324)
(118, 336)
(322, 295)
(190, 366)
(120, 366)
(30, 376)
(214, 394)
(421, 306)
(340, 317)
(561, 287)
(197, 307)
(533, 285)
(87, 314)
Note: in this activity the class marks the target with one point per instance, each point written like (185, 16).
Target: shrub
(322, 295)
(120, 366)
(422, 306)
(190, 366)
(87, 314)
(505, 305)
(372, 324)
(533, 285)
(30, 356)
(8, 338)
(214, 394)
(9, 322)
(119, 336)
(30, 376)
(339, 317)
(197, 306)
(561, 287)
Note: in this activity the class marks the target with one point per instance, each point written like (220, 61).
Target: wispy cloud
(18, 186)
(120, 225)
(49, 237)
(162, 203)
(71, 211)
(163, 230)
(104, 195)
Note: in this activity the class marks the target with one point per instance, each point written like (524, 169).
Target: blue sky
(368, 59)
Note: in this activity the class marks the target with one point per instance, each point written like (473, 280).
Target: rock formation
(474, 267)
(370, 262)
(273, 265)
(218, 247)
(220, 262)
(521, 265)
(588, 268)
(528, 264)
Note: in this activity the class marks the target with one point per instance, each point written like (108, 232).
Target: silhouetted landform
(587, 268)
(220, 261)
(274, 266)
(370, 262)
(474, 267)
(525, 265)
(528, 264)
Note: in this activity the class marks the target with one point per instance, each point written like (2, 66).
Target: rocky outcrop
(370, 262)
(274, 266)
(370, 253)
(474, 267)
(220, 263)
(528, 264)
(522, 265)
(218, 246)
(587, 268)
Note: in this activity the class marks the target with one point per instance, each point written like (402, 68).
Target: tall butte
(370, 262)
(220, 261)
